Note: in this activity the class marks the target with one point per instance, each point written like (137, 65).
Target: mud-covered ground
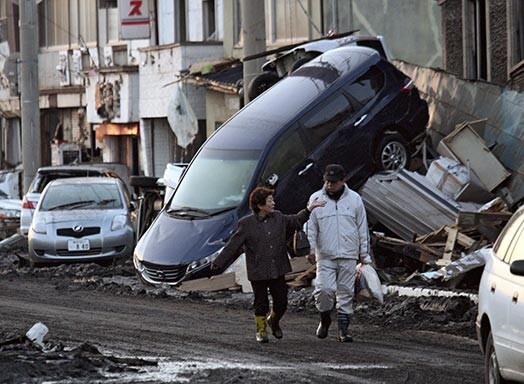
(104, 326)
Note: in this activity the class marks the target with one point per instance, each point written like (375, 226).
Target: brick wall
(498, 40)
(452, 55)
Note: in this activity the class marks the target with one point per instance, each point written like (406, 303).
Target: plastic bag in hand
(368, 286)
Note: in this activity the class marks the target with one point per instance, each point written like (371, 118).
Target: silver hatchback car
(82, 219)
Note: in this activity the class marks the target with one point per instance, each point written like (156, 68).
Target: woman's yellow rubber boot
(261, 329)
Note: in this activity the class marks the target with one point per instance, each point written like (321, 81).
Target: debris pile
(49, 361)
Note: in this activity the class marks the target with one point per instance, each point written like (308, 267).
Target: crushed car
(348, 106)
(284, 63)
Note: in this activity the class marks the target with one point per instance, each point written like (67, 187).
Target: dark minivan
(347, 106)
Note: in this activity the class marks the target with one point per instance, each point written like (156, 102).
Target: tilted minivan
(347, 106)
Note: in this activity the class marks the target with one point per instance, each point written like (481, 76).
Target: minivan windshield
(216, 181)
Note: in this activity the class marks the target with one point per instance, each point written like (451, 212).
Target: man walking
(338, 234)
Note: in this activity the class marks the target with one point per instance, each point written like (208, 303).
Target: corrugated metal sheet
(408, 205)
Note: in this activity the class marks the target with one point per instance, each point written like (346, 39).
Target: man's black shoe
(323, 327)
(343, 324)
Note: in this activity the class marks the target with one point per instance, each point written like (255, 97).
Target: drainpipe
(31, 137)
(254, 39)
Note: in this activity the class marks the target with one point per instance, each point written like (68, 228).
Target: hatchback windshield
(64, 197)
(216, 181)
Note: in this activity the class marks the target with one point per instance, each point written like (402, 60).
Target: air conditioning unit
(108, 56)
(115, 55)
(63, 68)
(66, 153)
(77, 67)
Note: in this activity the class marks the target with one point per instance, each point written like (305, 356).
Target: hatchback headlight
(119, 222)
(39, 226)
(198, 263)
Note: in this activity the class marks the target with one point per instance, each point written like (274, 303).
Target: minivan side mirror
(517, 267)
(272, 180)
(132, 206)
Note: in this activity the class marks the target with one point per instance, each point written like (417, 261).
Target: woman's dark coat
(264, 242)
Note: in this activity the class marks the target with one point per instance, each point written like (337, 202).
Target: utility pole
(254, 38)
(31, 140)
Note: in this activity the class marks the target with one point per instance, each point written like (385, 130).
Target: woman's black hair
(258, 197)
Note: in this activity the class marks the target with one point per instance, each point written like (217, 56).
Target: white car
(500, 321)
(44, 176)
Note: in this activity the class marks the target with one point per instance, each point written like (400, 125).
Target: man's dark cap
(334, 172)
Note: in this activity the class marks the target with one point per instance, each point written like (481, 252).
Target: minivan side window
(287, 152)
(506, 238)
(325, 118)
(516, 251)
(365, 88)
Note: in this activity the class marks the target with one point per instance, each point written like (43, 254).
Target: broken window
(475, 40)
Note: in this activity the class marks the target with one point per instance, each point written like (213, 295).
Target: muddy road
(104, 327)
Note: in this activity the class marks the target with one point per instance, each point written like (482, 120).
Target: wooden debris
(473, 219)
(450, 245)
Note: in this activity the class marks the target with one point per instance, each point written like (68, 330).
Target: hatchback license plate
(78, 245)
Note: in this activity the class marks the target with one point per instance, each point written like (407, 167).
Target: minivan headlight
(119, 222)
(39, 226)
(208, 259)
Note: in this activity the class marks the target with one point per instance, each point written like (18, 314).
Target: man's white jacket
(340, 228)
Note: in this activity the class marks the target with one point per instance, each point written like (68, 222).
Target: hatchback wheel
(393, 153)
(491, 365)
(260, 83)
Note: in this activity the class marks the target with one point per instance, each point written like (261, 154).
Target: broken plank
(462, 239)
(450, 243)
(215, 283)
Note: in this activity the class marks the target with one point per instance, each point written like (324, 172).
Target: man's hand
(358, 271)
(311, 258)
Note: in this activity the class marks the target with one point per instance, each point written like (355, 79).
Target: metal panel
(408, 205)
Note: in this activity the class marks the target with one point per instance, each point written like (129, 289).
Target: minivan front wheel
(491, 365)
(393, 153)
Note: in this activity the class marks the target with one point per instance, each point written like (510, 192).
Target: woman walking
(262, 235)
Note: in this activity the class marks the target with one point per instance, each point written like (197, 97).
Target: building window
(516, 31)
(208, 9)
(237, 22)
(66, 22)
(475, 40)
(104, 4)
(287, 21)
(180, 21)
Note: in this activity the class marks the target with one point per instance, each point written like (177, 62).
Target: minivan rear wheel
(491, 365)
(392, 153)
